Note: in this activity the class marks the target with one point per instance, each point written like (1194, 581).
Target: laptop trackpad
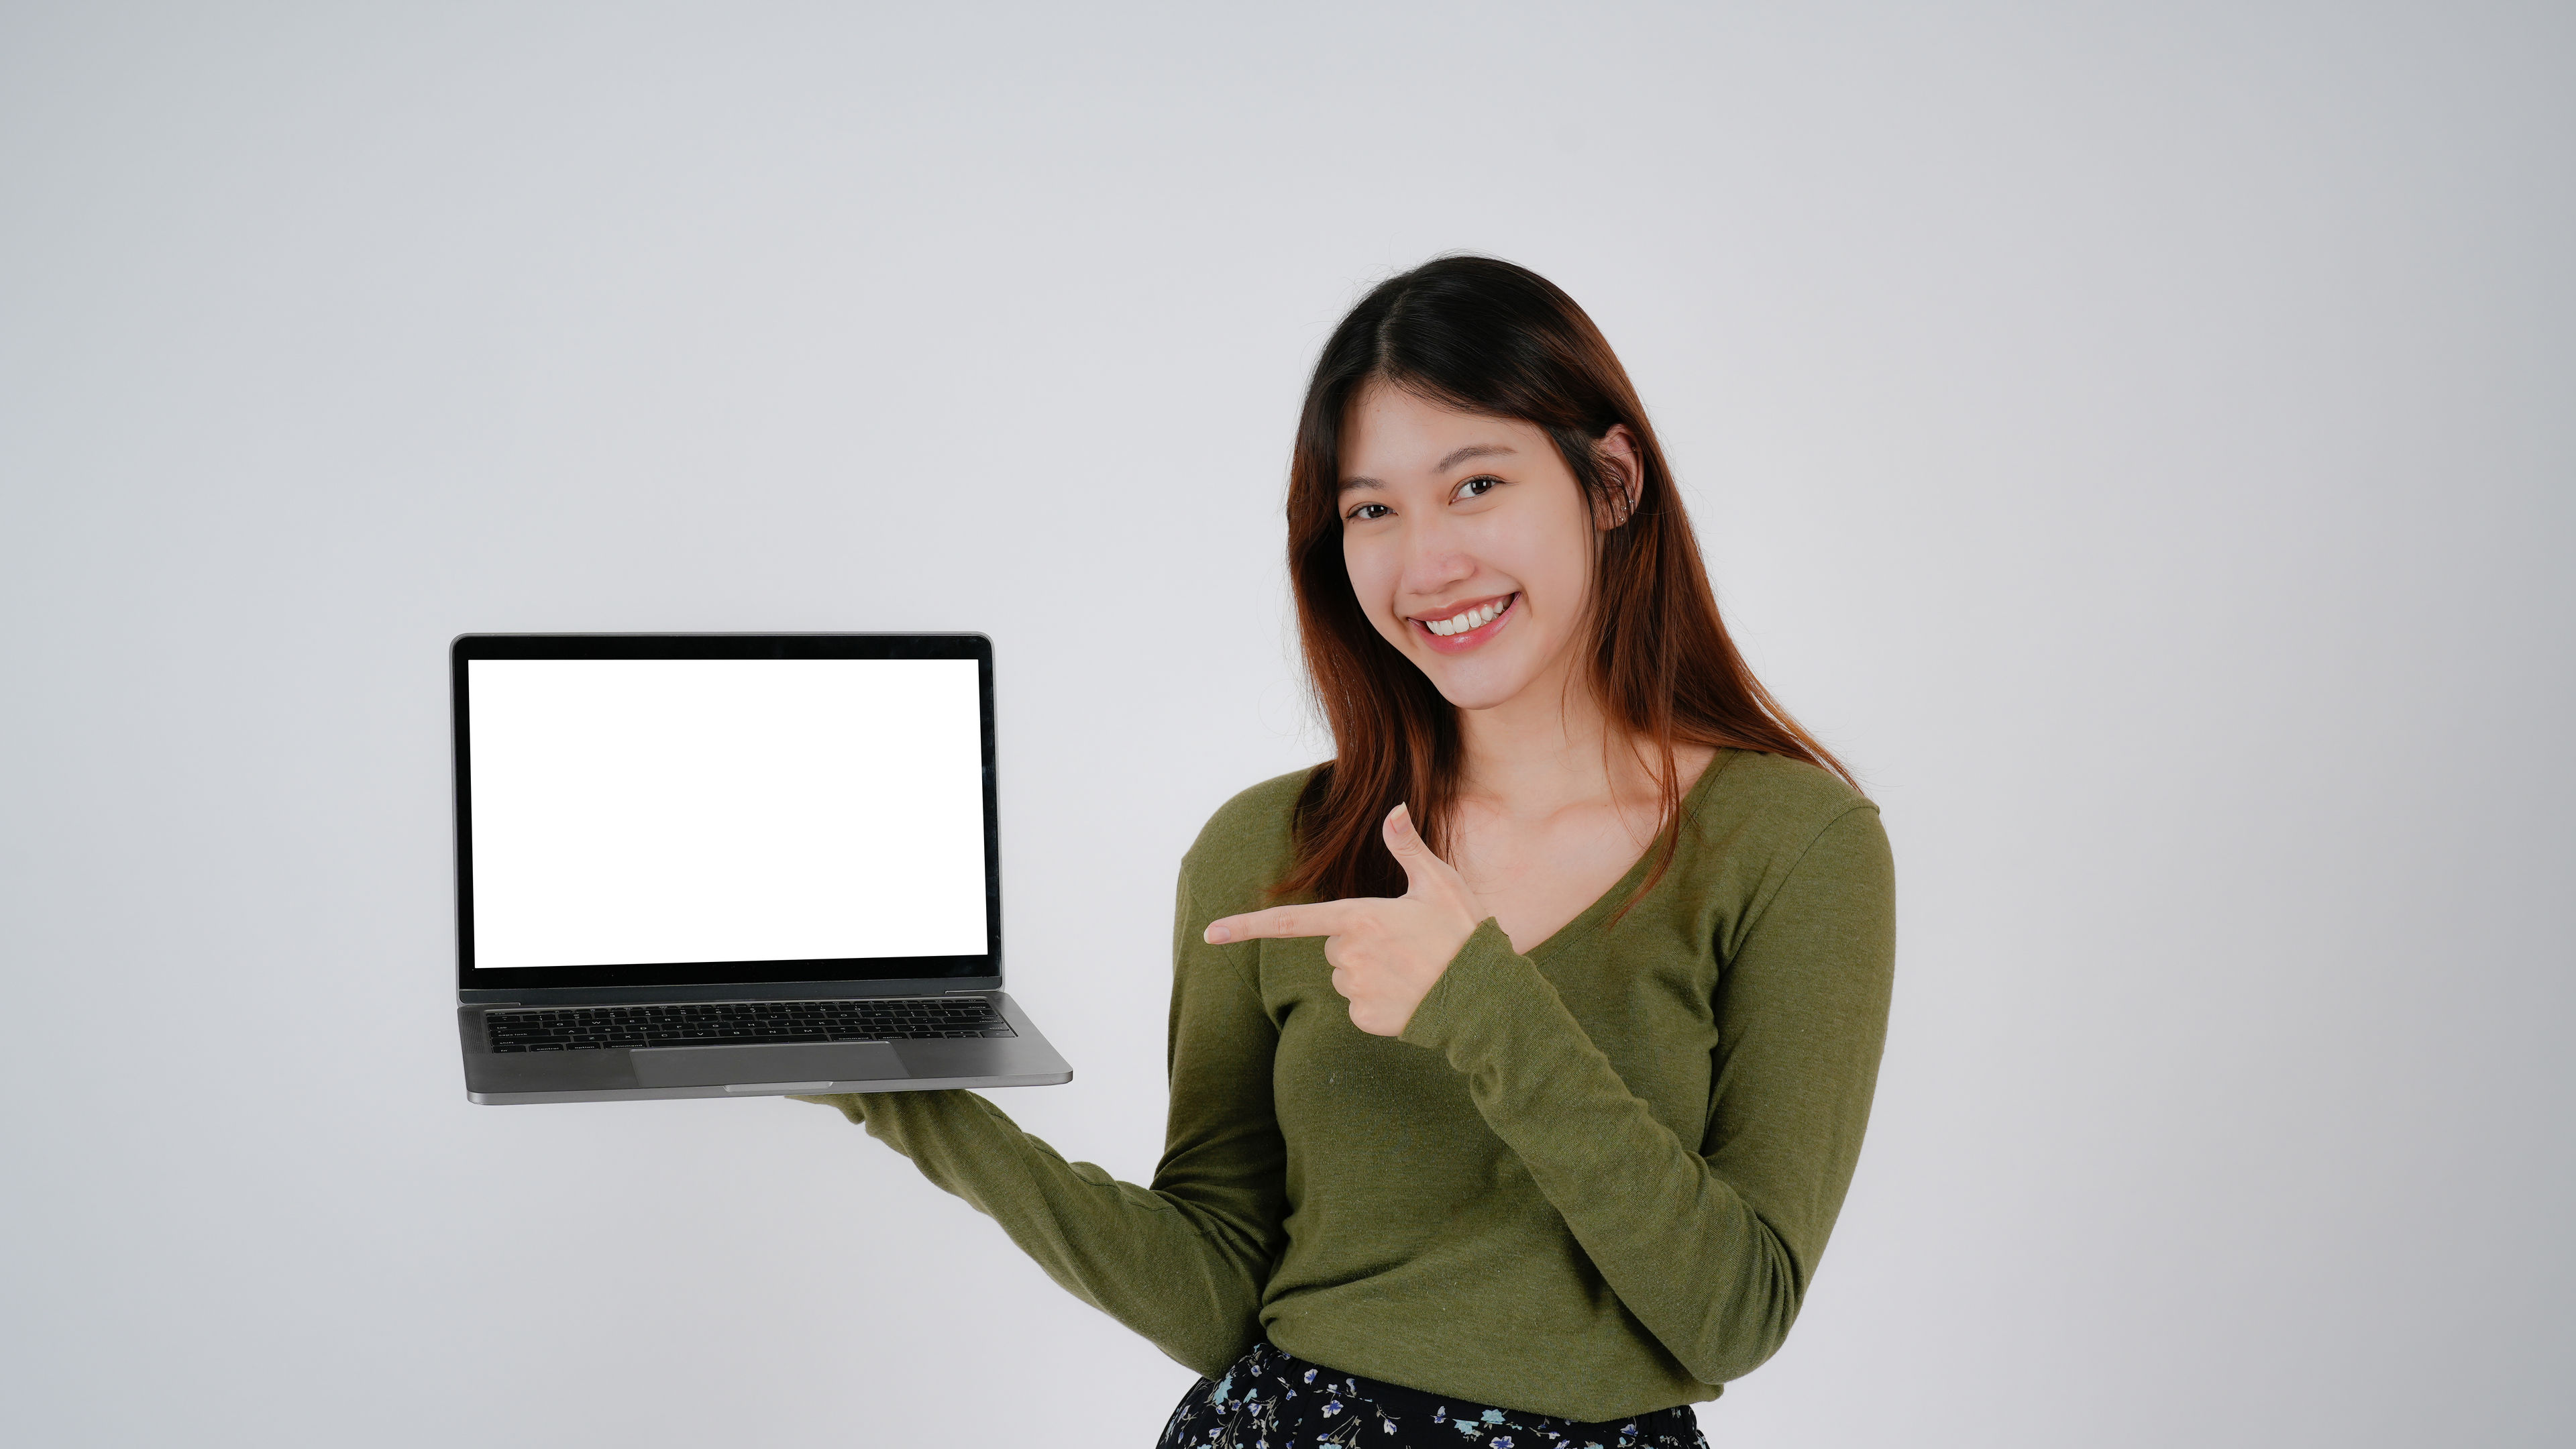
(717, 1066)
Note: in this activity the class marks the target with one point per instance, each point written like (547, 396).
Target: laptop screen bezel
(960, 972)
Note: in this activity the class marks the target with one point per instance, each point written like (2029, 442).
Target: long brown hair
(1493, 338)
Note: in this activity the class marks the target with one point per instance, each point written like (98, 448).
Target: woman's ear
(1623, 471)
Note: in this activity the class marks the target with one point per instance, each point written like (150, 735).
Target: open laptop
(710, 865)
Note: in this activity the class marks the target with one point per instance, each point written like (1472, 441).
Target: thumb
(1421, 867)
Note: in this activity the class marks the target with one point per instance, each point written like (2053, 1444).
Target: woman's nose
(1430, 568)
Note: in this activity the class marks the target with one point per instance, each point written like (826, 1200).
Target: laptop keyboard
(742, 1023)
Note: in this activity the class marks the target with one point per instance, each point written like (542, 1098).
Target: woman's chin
(1479, 683)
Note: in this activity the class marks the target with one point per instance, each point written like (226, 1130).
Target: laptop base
(757, 1070)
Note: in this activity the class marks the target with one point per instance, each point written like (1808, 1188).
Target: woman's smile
(1462, 627)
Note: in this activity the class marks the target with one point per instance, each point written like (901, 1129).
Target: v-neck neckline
(1627, 881)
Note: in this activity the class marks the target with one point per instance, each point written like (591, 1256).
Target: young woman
(1520, 1053)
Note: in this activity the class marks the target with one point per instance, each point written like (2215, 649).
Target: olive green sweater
(1589, 1180)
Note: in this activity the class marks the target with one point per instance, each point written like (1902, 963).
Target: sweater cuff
(1485, 985)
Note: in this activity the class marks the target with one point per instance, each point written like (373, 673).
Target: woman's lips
(1461, 643)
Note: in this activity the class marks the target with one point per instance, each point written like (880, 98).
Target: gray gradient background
(2140, 437)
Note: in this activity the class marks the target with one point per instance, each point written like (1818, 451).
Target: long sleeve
(1182, 1262)
(1710, 1244)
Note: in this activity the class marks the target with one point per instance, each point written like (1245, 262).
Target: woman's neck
(1546, 748)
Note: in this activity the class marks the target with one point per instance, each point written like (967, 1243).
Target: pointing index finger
(1324, 918)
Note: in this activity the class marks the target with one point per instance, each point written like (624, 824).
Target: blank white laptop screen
(638, 811)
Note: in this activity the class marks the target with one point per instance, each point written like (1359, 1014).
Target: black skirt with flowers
(1275, 1400)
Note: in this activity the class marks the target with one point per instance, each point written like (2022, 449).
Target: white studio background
(2140, 437)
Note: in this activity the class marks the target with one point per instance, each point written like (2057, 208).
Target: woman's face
(1468, 542)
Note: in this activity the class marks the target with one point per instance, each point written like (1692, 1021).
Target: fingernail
(1216, 935)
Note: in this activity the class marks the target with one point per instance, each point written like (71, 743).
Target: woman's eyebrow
(1472, 450)
(1456, 457)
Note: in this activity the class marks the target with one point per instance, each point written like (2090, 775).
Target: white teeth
(1472, 619)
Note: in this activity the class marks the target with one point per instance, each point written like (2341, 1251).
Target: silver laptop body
(716, 865)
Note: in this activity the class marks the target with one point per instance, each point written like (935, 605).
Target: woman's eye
(1478, 487)
(1362, 512)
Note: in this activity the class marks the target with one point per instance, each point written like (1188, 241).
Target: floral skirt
(1273, 1400)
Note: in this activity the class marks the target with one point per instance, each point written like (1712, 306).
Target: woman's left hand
(1385, 954)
